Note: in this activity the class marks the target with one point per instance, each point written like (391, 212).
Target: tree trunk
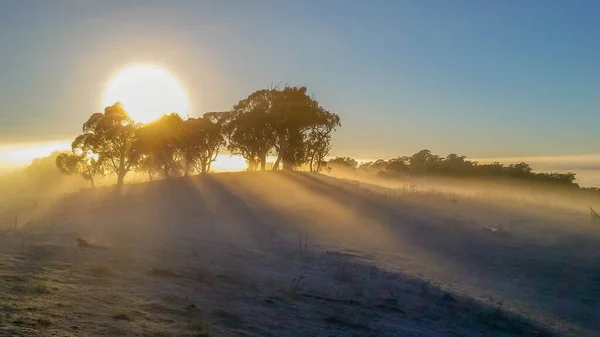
(263, 162)
(282, 155)
(122, 172)
(288, 165)
(252, 164)
(92, 182)
(276, 165)
(121, 179)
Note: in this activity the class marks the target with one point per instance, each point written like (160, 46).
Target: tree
(250, 128)
(344, 162)
(286, 122)
(520, 170)
(161, 144)
(41, 176)
(319, 138)
(424, 162)
(148, 165)
(397, 166)
(110, 136)
(203, 138)
(454, 164)
(88, 168)
(296, 113)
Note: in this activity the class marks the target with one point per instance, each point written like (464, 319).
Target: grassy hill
(295, 254)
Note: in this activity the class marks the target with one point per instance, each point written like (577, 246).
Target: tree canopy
(160, 145)
(285, 122)
(203, 139)
(110, 136)
(425, 163)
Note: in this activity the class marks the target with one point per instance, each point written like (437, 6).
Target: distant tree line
(284, 122)
(425, 163)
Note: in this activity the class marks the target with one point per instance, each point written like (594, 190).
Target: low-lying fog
(232, 244)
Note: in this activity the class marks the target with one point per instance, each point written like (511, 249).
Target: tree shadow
(199, 210)
(533, 274)
(222, 207)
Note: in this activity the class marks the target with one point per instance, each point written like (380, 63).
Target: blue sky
(480, 78)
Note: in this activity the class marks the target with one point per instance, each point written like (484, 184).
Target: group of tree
(285, 122)
(425, 163)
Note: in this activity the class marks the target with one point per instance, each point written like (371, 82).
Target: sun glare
(225, 163)
(147, 92)
(22, 154)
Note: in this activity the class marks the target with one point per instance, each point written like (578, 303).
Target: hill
(296, 254)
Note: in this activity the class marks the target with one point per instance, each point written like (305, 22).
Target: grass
(229, 318)
(122, 317)
(392, 299)
(44, 322)
(200, 329)
(234, 278)
(205, 276)
(100, 270)
(344, 320)
(296, 284)
(41, 289)
(385, 294)
(344, 273)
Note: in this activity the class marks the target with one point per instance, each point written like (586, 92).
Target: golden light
(22, 154)
(225, 163)
(147, 92)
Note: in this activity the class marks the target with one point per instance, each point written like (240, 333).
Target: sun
(147, 92)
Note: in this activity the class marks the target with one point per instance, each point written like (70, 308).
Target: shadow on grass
(169, 204)
(529, 272)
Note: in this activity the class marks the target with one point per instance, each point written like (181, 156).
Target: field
(296, 254)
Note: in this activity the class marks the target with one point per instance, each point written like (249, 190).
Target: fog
(587, 167)
(234, 243)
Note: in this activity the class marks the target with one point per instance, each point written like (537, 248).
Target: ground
(282, 254)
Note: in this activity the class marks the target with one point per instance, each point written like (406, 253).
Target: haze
(299, 168)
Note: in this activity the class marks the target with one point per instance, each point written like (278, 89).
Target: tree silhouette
(425, 163)
(296, 113)
(110, 135)
(88, 167)
(160, 145)
(147, 164)
(286, 122)
(250, 128)
(203, 138)
(344, 162)
(319, 138)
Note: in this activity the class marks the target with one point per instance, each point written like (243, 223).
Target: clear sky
(480, 78)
